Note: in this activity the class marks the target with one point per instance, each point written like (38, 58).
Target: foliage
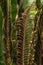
(28, 49)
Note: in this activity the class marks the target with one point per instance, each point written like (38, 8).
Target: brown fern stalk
(6, 8)
(21, 24)
(20, 33)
